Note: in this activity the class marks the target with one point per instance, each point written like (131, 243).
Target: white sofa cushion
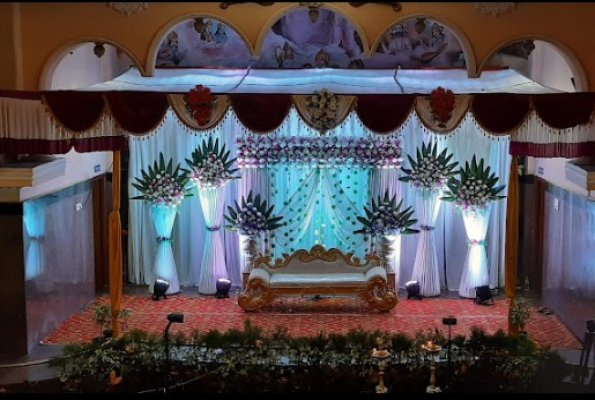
(301, 280)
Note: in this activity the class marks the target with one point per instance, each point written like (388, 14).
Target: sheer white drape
(177, 142)
(164, 218)
(213, 259)
(466, 140)
(475, 270)
(34, 221)
(425, 268)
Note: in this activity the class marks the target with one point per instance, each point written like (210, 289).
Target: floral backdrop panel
(297, 40)
(203, 42)
(417, 43)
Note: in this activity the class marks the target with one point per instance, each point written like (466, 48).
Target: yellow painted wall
(8, 77)
(47, 28)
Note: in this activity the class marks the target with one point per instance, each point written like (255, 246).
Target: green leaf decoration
(252, 216)
(474, 188)
(210, 165)
(162, 183)
(430, 171)
(386, 217)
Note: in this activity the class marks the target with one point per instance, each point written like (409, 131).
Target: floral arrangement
(163, 184)
(211, 166)
(252, 217)
(327, 151)
(323, 109)
(431, 171)
(475, 188)
(200, 103)
(442, 103)
(386, 218)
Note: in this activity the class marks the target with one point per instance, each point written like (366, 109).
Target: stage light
(483, 295)
(591, 326)
(171, 318)
(413, 290)
(160, 288)
(223, 286)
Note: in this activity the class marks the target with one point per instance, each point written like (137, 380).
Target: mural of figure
(400, 41)
(437, 44)
(169, 52)
(330, 32)
(220, 36)
(206, 34)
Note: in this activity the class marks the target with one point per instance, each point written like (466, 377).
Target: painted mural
(305, 39)
(201, 43)
(417, 43)
(300, 39)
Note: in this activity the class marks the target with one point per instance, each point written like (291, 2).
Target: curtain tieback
(213, 228)
(164, 239)
(427, 228)
(476, 242)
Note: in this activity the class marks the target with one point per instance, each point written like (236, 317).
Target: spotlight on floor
(483, 295)
(160, 288)
(591, 326)
(413, 290)
(223, 285)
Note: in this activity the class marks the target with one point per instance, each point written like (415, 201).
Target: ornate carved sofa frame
(318, 271)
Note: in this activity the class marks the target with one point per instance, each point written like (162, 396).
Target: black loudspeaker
(483, 295)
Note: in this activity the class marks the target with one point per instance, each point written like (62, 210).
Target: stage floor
(309, 316)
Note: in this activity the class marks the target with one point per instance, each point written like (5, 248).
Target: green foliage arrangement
(386, 218)
(162, 183)
(431, 170)
(210, 166)
(475, 188)
(252, 216)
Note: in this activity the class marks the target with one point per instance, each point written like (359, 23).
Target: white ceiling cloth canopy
(306, 81)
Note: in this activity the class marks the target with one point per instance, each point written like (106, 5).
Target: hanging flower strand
(200, 103)
(323, 109)
(442, 103)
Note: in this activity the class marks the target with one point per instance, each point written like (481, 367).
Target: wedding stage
(305, 316)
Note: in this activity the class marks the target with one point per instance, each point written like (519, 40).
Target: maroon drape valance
(141, 112)
(137, 112)
(76, 111)
(384, 113)
(261, 112)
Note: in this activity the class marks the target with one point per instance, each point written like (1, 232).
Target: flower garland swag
(326, 151)
(473, 193)
(322, 106)
(210, 168)
(386, 220)
(200, 103)
(164, 187)
(428, 175)
(252, 218)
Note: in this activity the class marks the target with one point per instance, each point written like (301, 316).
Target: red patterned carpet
(306, 316)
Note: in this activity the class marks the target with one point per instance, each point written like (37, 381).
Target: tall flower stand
(387, 249)
(164, 267)
(475, 269)
(213, 265)
(425, 268)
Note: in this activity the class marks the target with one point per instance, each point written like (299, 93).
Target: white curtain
(425, 268)
(164, 268)
(475, 270)
(213, 260)
(176, 141)
(34, 221)
(466, 140)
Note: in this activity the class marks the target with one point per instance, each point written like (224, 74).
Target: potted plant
(102, 316)
(520, 312)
